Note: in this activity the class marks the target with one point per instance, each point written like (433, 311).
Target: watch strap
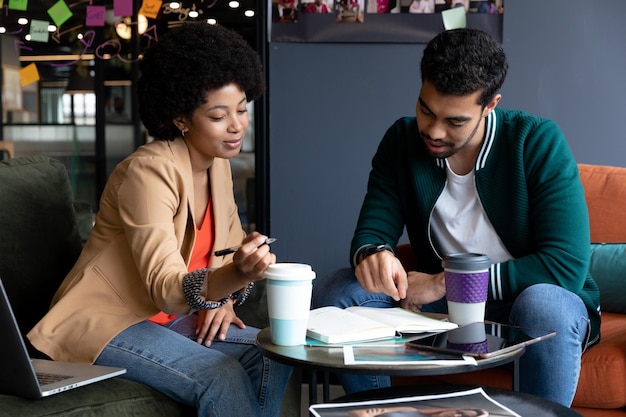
(369, 250)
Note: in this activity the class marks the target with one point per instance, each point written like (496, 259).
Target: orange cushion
(605, 193)
(602, 382)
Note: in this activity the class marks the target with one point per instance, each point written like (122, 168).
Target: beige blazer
(134, 261)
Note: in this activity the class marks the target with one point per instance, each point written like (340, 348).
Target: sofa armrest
(84, 218)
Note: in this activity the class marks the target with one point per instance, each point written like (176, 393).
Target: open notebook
(21, 376)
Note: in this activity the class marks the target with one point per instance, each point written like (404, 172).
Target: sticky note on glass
(18, 5)
(95, 15)
(122, 8)
(59, 12)
(39, 30)
(29, 74)
(150, 8)
(454, 18)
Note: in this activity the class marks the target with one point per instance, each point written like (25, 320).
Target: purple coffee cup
(467, 280)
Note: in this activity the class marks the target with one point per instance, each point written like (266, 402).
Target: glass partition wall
(70, 94)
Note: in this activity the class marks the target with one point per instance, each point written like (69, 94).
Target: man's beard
(452, 149)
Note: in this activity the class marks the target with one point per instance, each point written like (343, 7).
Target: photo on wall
(285, 11)
(317, 6)
(381, 21)
(350, 11)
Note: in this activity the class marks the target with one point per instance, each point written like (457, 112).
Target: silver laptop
(35, 378)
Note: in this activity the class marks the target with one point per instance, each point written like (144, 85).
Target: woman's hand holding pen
(250, 260)
(254, 256)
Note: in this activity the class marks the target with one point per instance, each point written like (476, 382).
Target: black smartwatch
(372, 249)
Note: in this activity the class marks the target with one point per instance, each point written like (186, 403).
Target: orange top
(200, 255)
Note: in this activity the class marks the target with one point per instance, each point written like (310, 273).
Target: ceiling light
(249, 13)
(193, 14)
(174, 5)
(123, 27)
(52, 28)
(22, 21)
(27, 37)
(3, 29)
(211, 21)
(233, 4)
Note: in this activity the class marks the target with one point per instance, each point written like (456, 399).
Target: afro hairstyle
(177, 72)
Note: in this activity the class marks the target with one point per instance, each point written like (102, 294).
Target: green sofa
(43, 230)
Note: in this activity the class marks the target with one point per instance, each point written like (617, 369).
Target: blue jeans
(548, 369)
(230, 378)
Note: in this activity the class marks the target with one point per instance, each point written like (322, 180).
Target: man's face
(451, 124)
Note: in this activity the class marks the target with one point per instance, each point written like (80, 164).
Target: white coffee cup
(289, 287)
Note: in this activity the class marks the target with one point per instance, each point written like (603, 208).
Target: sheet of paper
(39, 30)
(475, 399)
(454, 18)
(400, 355)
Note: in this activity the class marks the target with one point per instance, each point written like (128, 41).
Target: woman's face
(217, 128)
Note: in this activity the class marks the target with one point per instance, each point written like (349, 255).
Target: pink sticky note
(123, 7)
(95, 15)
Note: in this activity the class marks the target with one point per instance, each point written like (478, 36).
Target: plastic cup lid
(466, 261)
(289, 272)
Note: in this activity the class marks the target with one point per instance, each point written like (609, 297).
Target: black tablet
(481, 340)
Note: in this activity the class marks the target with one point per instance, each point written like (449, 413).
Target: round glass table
(327, 359)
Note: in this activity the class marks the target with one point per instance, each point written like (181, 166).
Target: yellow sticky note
(150, 8)
(454, 18)
(29, 74)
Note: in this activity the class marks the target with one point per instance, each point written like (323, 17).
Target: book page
(404, 321)
(336, 325)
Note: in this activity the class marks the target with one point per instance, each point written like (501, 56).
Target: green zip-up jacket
(528, 184)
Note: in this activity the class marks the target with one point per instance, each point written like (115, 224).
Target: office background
(331, 103)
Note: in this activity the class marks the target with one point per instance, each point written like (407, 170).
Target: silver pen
(233, 249)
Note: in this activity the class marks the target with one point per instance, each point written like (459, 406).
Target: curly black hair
(459, 62)
(179, 69)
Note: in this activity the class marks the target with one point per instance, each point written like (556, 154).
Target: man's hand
(423, 289)
(215, 322)
(383, 272)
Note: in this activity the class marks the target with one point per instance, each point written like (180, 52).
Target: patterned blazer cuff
(240, 297)
(192, 286)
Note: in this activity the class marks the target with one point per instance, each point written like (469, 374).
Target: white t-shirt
(459, 222)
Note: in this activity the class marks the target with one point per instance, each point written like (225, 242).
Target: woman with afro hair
(148, 292)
